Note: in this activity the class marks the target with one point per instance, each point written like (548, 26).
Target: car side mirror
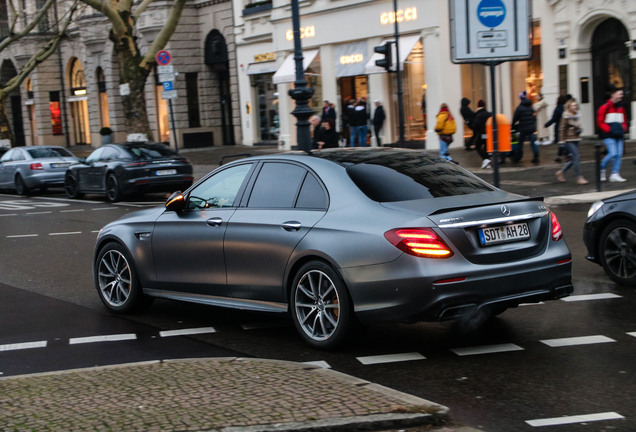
(176, 202)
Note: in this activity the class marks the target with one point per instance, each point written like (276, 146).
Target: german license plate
(165, 172)
(60, 165)
(503, 234)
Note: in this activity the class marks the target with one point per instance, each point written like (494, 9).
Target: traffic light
(386, 51)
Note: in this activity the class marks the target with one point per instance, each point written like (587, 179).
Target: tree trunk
(6, 132)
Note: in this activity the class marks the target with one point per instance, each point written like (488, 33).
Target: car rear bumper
(403, 291)
(159, 184)
(42, 178)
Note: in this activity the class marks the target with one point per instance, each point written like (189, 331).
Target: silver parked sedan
(337, 238)
(35, 167)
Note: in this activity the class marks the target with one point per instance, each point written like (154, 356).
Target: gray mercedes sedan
(337, 238)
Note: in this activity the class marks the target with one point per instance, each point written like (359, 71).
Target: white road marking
(575, 419)
(22, 235)
(572, 341)
(65, 233)
(185, 332)
(10, 214)
(23, 345)
(318, 363)
(390, 358)
(586, 297)
(72, 211)
(632, 334)
(39, 213)
(486, 349)
(105, 338)
(103, 208)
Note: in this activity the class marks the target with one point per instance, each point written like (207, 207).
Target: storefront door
(611, 64)
(267, 109)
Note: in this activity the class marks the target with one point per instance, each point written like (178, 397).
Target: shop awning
(350, 58)
(407, 43)
(261, 68)
(287, 71)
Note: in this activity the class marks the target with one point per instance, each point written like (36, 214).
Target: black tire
(617, 252)
(20, 187)
(71, 187)
(113, 193)
(116, 280)
(320, 306)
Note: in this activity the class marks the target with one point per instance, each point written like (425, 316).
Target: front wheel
(617, 252)
(113, 193)
(116, 280)
(71, 187)
(320, 306)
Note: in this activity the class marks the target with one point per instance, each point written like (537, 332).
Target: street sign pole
(495, 139)
(174, 129)
(166, 77)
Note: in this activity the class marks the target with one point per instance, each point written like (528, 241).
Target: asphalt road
(521, 371)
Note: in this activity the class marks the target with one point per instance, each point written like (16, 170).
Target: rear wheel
(116, 280)
(617, 252)
(113, 193)
(320, 306)
(71, 187)
(20, 187)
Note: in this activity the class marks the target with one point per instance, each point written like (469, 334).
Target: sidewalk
(217, 394)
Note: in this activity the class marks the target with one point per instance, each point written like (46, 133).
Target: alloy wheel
(317, 305)
(114, 278)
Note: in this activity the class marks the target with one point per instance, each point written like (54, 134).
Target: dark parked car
(336, 238)
(119, 170)
(35, 167)
(610, 237)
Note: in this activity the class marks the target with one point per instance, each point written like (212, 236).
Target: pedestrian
(445, 129)
(570, 137)
(468, 115)
(524, 122)
(556, 121)
(613, 124)
(328, 113)
(325, 136)
(358, 118)
(479, 129)
(541, 109)
(378, 121)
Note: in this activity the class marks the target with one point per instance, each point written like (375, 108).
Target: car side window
(109, 154)
(277, 186)
(219, 190)
(7, 156)
(312, 195)
(96, 155)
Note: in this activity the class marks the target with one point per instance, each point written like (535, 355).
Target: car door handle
(215, 221)
(291, 226)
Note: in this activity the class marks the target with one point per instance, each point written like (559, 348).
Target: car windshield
(149, 151)
(48, 152)
(398, 175)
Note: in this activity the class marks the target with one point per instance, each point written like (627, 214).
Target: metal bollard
(597, 156)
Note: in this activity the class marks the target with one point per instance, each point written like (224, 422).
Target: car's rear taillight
(136, 164)
(421, 242)
(36, 166)
(557, 233)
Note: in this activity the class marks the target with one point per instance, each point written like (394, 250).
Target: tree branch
(165, 34)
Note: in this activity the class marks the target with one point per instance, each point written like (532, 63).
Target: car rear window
(152, 151)
(401, 175)
(40, 153)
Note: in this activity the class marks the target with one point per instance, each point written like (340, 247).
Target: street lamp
(300, 93)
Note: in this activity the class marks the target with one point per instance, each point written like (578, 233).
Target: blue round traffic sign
(491, 13)
(163, 57)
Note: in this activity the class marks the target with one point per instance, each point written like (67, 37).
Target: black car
(119, 170)
(610, 237)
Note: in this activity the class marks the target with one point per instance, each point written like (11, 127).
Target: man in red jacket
(613, 124)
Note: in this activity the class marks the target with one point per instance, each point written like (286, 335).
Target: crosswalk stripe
(575, 419)
(581, 340)
(187, 332)
(23, 345)
(390, 358)
(587, 297)
(486, 349)
(104, 338)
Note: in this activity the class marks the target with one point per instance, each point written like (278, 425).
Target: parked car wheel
(20, 187)
(116, 280)
(617, 252)
(70, 187)
(113, 193)
(321, 309)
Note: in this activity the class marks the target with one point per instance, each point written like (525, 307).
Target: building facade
(76, 92)
(579, 47)
(234, 65)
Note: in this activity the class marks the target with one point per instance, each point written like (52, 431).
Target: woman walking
(445, 129)
(570, 137)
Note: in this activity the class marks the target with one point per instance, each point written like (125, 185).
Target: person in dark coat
(524, 122)
(328, 112)
(479, 129)
(325, 136)
(556, 121)
(378, 121)
(468, 115)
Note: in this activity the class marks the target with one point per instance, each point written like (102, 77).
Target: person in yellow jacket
(445, 129)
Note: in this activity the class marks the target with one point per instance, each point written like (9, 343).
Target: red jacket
(610, 124)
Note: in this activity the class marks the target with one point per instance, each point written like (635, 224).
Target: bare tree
(50, 45)
(135, 67)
